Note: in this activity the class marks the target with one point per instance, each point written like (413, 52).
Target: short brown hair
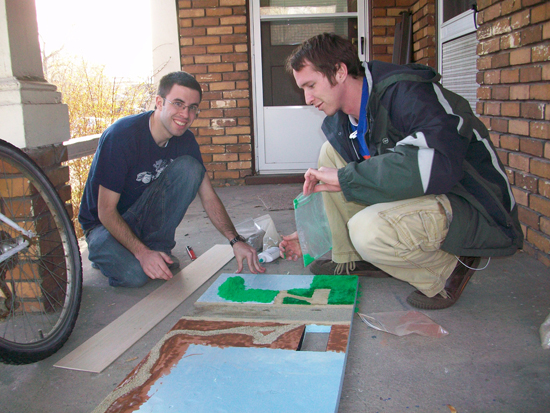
(326, 52)
(178, 78)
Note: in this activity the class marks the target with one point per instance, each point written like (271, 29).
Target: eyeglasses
(194, 109)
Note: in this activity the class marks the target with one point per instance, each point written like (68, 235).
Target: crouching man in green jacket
(411, 183)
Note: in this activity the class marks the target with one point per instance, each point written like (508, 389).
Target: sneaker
(175, 264)
(453, 287)
(329, 267)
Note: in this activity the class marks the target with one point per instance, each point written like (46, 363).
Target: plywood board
(108, 344)
(205, 366)
(285, 314)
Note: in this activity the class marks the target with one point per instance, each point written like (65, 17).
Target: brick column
(424, 46)
(21, 203)
(384, 17)
(214, 47)
(514, 78)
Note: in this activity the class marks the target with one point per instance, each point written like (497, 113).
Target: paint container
(269, 255)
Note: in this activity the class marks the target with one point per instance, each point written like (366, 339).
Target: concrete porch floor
(492, 360)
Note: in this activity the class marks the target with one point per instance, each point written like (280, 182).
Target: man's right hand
(322, 179)
(289, 247)
(154, 264)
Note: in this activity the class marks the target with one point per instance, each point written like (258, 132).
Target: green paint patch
(292, 300)
(308, 259)
(233, 289)
(343, 288)
(302, 292)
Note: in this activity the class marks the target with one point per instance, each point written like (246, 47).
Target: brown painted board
(243, 366)
(107, 345)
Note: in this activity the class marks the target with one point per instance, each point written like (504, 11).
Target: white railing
(80, 147)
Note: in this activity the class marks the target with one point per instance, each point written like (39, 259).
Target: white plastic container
(269, 255)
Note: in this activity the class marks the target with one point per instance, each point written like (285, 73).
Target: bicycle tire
(41, 285)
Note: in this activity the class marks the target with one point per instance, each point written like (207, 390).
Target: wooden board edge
(100, 350)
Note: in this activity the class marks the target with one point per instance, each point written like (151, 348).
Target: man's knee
(323, 156)
(129, 276)
(365, 229)
(113, 260)
(186, 166)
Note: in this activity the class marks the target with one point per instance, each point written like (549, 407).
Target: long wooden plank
(107, 345)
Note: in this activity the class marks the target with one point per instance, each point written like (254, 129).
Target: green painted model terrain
(343, 290)
(233, 289)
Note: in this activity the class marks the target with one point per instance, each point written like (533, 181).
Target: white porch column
(165, 38)
(31, 112)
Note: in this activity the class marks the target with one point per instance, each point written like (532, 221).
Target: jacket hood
(381, 70)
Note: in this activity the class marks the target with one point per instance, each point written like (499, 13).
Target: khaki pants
(403, 238)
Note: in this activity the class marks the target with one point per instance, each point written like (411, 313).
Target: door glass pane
(279, 39)
(296, 32)
(289, 7)
(452, 8)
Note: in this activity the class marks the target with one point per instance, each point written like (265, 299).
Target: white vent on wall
(459, 67)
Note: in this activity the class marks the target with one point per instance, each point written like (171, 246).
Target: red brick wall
(384, 17)
(214, 43)
(52, 160)
(424, 45)
(514, 93)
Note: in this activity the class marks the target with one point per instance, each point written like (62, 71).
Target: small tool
(191, 253)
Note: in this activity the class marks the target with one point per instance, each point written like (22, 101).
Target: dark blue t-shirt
(127, 160)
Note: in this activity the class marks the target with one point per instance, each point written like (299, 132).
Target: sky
(113, 33)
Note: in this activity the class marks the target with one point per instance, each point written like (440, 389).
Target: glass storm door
(288, 133)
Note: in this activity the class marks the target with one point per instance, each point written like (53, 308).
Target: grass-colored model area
(233, 289)
(342, 290)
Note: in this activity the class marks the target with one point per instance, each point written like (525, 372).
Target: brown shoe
(329, 267)
(453, 287)
(175, 262)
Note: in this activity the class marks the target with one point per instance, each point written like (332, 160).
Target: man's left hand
(322, 179)
(244, 251)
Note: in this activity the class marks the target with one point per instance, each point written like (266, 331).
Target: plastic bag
(252, 232)
(260, 233)
(402, 323)
(312, 226)
(271, 236)
(545, 333)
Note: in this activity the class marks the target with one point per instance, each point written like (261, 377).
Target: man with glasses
(146, 171)
(411, 183)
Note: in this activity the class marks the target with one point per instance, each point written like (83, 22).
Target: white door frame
(307, 113)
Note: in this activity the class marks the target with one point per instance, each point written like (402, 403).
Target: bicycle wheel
(40, 265)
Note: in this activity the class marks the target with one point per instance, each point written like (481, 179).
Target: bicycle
(40, 263)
